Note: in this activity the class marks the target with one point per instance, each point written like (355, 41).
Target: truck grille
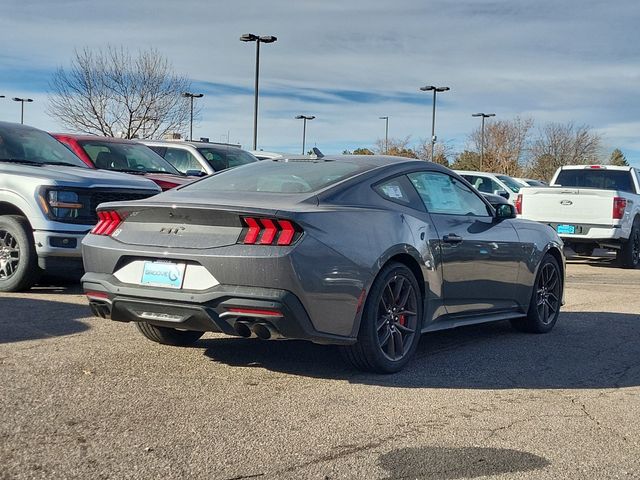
(102, 197)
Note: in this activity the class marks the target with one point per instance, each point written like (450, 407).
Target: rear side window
(444, 194)
(394, 190)
(596, 178)
(270, 176)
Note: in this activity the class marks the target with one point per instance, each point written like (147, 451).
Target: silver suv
(48, 200)
(200, 158)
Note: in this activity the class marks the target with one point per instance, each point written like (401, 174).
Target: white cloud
(557, 61)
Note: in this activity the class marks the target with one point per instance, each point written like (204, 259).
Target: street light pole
(386, 134)
(250, 37)
(436, 90)
(22, 102)
(483, 115)
(191, 96)
(304, 119)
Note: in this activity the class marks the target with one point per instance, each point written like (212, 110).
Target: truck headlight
(63, 204)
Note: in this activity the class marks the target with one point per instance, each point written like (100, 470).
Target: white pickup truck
(590, 206)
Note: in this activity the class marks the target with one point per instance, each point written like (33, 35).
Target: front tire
(18, 259)
(391, 322)
(169, 336)
(546, 299)
(629, 255)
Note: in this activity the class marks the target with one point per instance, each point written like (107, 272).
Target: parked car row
(51, 186)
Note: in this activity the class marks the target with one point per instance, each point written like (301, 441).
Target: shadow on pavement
(585, 350)
(426, 463)
(28, 319)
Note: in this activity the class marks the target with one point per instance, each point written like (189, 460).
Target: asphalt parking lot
(83, 397)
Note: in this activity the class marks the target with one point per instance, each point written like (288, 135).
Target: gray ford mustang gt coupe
(366, 252)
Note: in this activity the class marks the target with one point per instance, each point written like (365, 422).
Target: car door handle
(452, 238)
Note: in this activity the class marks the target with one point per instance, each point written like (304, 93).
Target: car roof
(191, 143)
(84, 137)
(471, 172)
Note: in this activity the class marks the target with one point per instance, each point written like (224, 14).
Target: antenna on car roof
(317, 152)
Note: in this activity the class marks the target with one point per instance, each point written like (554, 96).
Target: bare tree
(505, 144)
(562, 144)
(441, 154)
(110, 92)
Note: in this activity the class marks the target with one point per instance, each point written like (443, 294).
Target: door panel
(480, 256)
(480, 266)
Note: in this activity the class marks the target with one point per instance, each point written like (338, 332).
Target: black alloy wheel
(391, 322)
(397, 317)
(548, 293)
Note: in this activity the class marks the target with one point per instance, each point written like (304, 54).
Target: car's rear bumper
(218, 309)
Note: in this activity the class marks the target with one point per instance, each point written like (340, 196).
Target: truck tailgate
(568, 205)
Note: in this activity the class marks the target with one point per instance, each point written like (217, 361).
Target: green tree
(618, 159)
(467, 160)
(362, 151)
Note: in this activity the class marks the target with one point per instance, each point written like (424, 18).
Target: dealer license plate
(566, 229)
(163, 274)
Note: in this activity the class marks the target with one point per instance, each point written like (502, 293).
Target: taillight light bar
(108, 222)
(518, 204)
(619, 205)
(269, 231)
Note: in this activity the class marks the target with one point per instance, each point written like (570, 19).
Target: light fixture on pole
(191, 96)
(304, 119)
(483, 115)
(436, 90)
(22, 102)
(250, 37)
(386, 134)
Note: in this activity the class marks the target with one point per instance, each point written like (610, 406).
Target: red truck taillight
(269, 231)
(619, 205)
(518, 204)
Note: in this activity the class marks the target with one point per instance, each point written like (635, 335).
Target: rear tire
(18, 259)
(546, 299)
(391, 322)
(169, 336)
(629, 255)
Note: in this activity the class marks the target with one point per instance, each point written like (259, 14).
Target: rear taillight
(269, 231)
(518, 204)
(108, 222)
(165, 185)
(619, 205)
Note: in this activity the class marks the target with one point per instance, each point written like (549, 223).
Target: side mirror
(506, 210)
(502, 193)
(195, 173)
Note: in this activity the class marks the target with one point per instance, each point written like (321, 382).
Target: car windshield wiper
(65, 164)
(21, 161)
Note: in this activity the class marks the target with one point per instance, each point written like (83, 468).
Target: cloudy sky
(350, 61)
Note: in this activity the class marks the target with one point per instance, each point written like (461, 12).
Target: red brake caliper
(401, 320)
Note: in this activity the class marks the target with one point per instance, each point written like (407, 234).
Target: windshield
(509, 182)
(221, 158)
(29, 145)
(126, 157)
(618, 180)
(270, 176)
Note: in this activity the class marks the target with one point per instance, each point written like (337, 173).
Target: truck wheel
(546, 299)
(391, 322)
(18, 259)
(169, 336)
(629, 255)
